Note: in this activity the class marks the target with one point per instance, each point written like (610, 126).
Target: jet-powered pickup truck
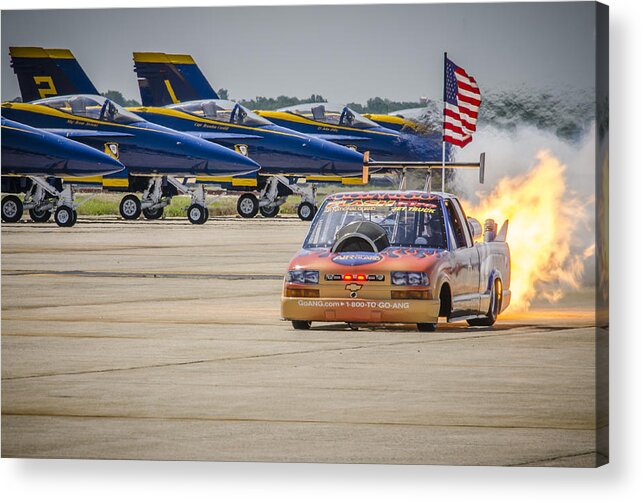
(398, 257)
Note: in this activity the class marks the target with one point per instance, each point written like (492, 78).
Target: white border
(98, 480)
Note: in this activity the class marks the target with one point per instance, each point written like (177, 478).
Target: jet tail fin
(48, 72)
(170, 78)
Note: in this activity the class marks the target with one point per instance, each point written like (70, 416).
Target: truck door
(465, 262)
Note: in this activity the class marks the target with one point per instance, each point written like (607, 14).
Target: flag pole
(443, 132)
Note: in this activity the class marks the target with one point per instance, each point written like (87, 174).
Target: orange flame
(543, 217)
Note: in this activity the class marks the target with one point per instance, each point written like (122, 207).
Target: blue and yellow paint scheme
(278, 150)
(48, 72)
(342, 125)
(174, 82)
(170, 78)
(146, 149)
(393, 122)
(33, 163)
(27, 151)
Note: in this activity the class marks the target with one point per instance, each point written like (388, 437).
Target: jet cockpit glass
(94, 107)
(221, 110)
(331, 114)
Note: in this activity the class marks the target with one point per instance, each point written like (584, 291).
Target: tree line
(372, 105)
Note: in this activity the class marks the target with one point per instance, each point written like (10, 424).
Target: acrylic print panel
(280, 250)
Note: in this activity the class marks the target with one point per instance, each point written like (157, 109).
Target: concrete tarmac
(162, 340)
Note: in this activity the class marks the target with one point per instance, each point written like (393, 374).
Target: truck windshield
(407, 222)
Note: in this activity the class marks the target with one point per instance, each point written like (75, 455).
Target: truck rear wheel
(493, 308)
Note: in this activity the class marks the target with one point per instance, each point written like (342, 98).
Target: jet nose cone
(196, 156)
(214, 159)
(226, 162)
(87, 161)
(344, 160)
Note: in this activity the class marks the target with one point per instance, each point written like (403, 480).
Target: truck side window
(460, 210)
(455, 221)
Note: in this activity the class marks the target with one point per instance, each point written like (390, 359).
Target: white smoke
(511, 153)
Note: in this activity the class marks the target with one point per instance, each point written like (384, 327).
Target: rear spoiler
(403, 166)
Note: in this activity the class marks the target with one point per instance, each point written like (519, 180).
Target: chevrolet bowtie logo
(353, 287)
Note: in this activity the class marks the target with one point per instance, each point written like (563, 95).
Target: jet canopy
(88, 106)
(221, 110)
(332, 114)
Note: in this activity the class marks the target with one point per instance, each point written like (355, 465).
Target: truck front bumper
(405, 311)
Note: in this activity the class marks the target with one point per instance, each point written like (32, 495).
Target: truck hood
(390, 259)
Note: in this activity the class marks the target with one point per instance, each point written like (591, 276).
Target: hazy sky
(345, 53)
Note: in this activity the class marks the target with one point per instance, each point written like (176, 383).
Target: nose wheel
(197, 214)
(65, 216)
(306, 211)
(247, 205)
(130, 207)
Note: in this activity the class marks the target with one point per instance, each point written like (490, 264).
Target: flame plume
(543, 218)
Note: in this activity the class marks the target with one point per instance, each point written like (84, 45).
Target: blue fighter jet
(178, 79)
(284, 154)
(33, 162)
(153, 155)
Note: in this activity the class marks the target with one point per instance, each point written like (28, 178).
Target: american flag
(461, 104)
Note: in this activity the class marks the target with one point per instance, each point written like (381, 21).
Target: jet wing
(335, 138)
(101, 134)
(224, 136)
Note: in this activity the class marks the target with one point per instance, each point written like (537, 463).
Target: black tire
(301, 325)
(39, 216)
(306, 211)
(130, 208)
(12, 209)
(207, 215)
(153, 214)
(493, 308)
(65, 217)
(430, 327)
(196, 214)
(269, 211)
(247, 205)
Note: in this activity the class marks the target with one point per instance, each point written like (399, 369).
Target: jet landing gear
(274, 194)
(154, 201)
(41, 200)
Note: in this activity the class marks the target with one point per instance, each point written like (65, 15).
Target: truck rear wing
(370, 165)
